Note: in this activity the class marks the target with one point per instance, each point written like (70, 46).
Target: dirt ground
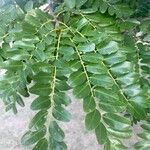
(12, 128)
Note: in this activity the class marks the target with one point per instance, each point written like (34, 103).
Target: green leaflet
(120, 134)
(115, 58)
(39, 54)
(61, 98)
(61, 114)
(23, 90)
(29, 5)
(89, 104)
(62, 85)
(11, 65)
(99, 18)
(146, 126)
(145, 135)
(92, 58)
(42, 77)
(115, 107)
(128, 79)
(78, 38)
(75, 65)
(144, 52)
(143, 143)
(56, 132)
(25, 45)
(86, 47)
(80, 3)
(105, 95)
(70, 4)
(101, 134)
(41, 89)
(117, 122)
(19, 100)
(67, 52)
(132, 90)
(122, 10)
(103, 7)
(101, 80)
(114, 144)
(57, 145)
(13, 87)
(17, 55)
(32, 20)
(38, 121)
(42, 144)
(30, 137)
(1, 59)
(92, 119)
(136, 110)
(83, 22)
(28, 28)
(82, 91)
(112, 47)
(122, 68)
(77, 78)
(98, 68)
(42, 102)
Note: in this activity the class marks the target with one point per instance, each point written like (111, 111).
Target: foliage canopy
(98, 48)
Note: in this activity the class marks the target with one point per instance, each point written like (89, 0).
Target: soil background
(12, 127)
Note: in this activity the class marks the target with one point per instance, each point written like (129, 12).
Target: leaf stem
(122, 93)
(71, 29)
(87, 77)
(53, 84)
